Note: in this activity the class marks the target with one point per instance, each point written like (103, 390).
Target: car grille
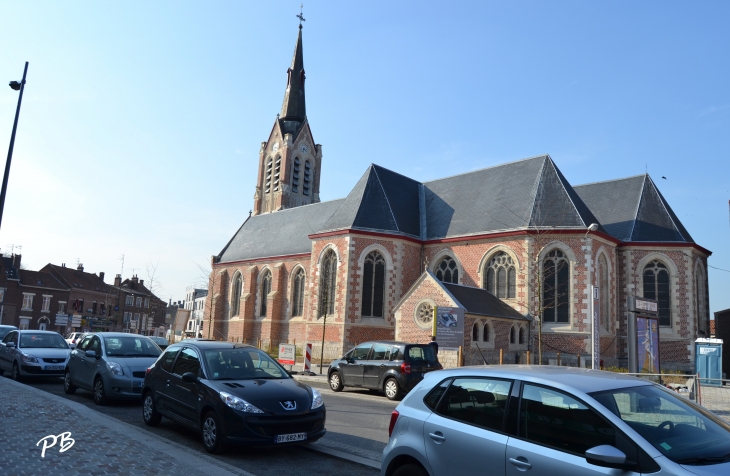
(54, 361)
(138, 374)
(272, 426)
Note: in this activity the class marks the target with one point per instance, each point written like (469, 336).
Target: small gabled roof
(281, 233)
(481, 302)
(382, 200)
(40, 279)
(633, 210)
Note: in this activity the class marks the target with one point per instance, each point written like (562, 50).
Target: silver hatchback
(110, 364)
(31, 353)
(508, 420)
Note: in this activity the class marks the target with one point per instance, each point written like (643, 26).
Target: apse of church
(513, 245)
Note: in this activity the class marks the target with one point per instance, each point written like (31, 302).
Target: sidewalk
(101, 445)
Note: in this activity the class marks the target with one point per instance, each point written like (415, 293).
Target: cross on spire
(300, 16)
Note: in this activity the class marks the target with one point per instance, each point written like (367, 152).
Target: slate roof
(40, 279)
(76, 279)
(482, 302)
(281, 233)
(294, 107)
(633, 209)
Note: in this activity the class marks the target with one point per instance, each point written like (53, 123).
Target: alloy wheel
(210, 432)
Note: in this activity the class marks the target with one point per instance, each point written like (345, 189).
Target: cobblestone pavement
(100, 446)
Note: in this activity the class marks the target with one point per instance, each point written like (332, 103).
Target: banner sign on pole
(287, 354)
(450, 327)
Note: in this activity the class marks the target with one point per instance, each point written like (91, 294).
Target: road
(357, 426)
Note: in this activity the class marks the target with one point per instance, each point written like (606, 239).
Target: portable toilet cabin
(708, 361)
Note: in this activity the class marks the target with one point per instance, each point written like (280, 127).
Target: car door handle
(437, 437)
(382, 365)
(360, 365)
(520, 463)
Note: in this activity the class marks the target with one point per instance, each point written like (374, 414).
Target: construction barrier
(307, 358)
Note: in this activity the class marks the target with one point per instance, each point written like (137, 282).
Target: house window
(2, 294)
(447, 271)
(147, 303)
(373, 285)
(127, 316)
(307, 178)
(327, 283)
(295, 176)
(27, 301)
(46, 307)
(298, 293)
(236, 295)
(130, 300)
(500, 277)
(93, 308)
(269, 165)
(62, 307)
(265, 290)
(136, 317)
(139, 302)
(656, 286)
(555, 288)
(604, 292)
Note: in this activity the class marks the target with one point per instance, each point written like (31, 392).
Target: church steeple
(294, 107)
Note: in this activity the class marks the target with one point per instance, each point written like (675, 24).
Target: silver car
(112, 365)
(541, 420)
(26, 353)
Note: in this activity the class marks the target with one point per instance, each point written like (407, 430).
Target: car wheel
(150, 414)
(336, 382)
(99, 395)
(15, 375)
(68, 387)
(392, 389)
(410, 470)
(212, 434)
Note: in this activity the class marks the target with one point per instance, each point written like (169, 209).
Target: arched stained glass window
(265, 290)
(555, 287)
(327, 283)
(500, 276)
(236, 295)
(373, 285)
(447, 271)
(298, 293)
(656, 286)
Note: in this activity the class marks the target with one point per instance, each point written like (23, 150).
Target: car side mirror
(607, 456)
(10, 344)
(189, 377)
(91, 353)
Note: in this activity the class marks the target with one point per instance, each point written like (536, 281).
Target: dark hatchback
(233, 394)
(393, 367)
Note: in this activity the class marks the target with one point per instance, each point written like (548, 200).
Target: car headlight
(29, 358)
(115, 368)
(238, 403)
(316, 399)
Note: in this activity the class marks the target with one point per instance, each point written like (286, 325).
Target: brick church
(513, 245)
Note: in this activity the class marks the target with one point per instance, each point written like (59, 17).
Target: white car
(27, 353)
(74, 338)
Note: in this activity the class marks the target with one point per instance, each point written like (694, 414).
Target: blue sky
(141, 121)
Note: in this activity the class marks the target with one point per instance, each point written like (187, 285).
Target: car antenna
(480, 353)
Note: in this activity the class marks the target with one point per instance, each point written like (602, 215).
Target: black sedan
(233, 394)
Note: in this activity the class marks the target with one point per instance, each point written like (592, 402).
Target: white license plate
(291, 437)
(54, 367)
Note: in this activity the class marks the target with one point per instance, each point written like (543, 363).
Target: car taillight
(148, 370)
(393, 418)
(405, 368)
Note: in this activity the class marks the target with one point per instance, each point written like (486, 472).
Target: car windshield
(42, 341)
(684, 432)
(242, 363)
(5, 330)
(130, 346)
(421, 353)
(160, 340)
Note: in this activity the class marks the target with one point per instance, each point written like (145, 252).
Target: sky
(141, 122)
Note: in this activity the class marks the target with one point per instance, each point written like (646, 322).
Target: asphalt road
(357, 424)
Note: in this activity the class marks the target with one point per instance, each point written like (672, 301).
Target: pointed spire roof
(294, 107)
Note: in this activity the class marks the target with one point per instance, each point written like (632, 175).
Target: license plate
(54, 367)
(291, 437)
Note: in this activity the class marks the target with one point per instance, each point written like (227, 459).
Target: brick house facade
(519, 230)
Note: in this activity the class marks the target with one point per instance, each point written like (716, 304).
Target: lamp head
(15, 85)
(593, 227)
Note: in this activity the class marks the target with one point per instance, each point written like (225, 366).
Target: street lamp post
(16, 86)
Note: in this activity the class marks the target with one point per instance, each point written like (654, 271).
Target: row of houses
(66, 300)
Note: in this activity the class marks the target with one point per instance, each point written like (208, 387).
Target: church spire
(294, 107)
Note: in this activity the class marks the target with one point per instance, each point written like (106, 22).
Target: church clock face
(276, 146)
(304, 148)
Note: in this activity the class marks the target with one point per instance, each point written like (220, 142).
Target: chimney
(16, 261)
(101, 275)
(141, 281)
(134, 279)
(80, 267)
(118, 280)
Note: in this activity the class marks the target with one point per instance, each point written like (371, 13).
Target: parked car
(161, 342)
(74, 338)
(112, 365)
(5, 329)
(393, 367)
(233, 394)
(551, 421)
(26, 353)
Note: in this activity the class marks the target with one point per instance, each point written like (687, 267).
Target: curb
(198, 461)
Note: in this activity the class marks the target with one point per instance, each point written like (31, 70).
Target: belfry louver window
(295, 176)
(307, 178)
(277, 173)
(267, 181)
